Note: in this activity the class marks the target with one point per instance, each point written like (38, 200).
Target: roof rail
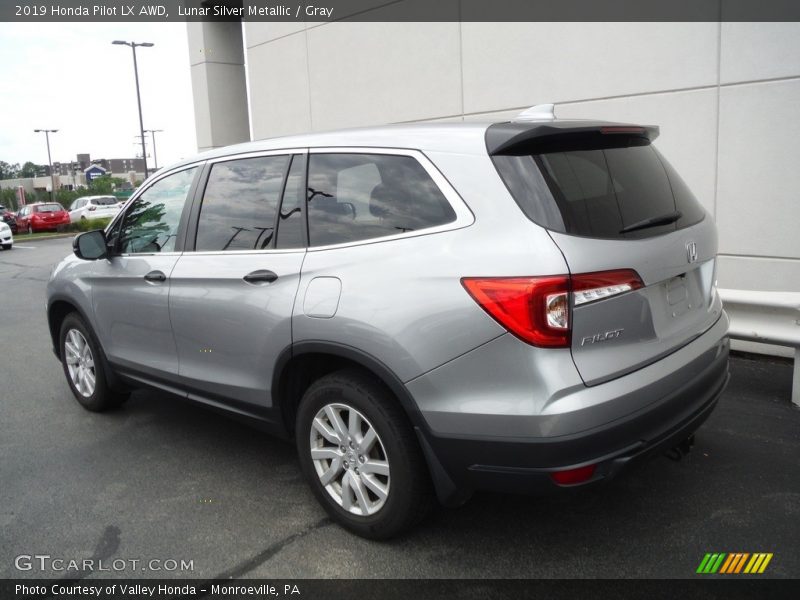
(540, 112)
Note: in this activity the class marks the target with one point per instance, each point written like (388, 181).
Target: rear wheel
(84, 366)
(361, 457)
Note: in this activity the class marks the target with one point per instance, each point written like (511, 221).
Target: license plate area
(677, 295)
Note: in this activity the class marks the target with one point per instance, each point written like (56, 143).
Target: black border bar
(701, 587)
(320, 11)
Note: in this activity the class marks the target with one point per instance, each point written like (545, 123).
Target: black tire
(410, 496)
(102, 397)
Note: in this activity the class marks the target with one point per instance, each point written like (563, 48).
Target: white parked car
(94, 207)
(6, 238)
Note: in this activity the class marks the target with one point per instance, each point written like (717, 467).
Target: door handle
(260, 276)
(155, 276)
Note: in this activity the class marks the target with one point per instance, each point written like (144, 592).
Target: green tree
(103, 185)
(29, 169)
(8, 198)
(8, 171)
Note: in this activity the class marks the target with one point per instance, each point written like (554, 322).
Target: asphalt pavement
(164, 480)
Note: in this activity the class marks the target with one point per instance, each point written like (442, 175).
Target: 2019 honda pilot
(424, 309)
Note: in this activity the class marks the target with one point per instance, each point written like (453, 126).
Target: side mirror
(90, 245)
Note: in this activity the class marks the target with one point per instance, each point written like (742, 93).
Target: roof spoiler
(537, 129)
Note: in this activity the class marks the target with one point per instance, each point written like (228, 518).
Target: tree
(8, 171)
(104, 185)
(29, 169)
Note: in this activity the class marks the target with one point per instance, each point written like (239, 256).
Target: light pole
(47, 133)
(153, 133)
(133, 46)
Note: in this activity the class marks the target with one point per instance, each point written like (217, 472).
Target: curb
(55, 236)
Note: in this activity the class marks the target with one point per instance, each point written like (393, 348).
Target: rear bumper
(668, 415)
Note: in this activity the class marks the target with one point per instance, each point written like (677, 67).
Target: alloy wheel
(80, 362)
(350, 459)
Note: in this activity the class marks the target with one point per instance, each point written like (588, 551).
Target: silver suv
(426, 309)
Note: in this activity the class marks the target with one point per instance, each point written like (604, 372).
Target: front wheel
(360, 455)
(83, 366)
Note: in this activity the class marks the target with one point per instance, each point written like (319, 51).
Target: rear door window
(240, 204)
(613, 192)
(353, 197)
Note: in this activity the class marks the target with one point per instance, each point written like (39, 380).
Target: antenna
(540, 112)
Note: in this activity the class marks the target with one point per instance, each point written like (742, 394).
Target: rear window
(49, 208)
(104, 201)
(612, 192)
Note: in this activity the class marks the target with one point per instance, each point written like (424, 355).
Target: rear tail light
(590, 287)
(92, 208)
(537, 309)
(534, 309)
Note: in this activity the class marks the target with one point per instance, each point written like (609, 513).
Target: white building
(726, 95)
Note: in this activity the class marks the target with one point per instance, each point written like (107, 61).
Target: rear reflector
(537, 309)
(573, 476)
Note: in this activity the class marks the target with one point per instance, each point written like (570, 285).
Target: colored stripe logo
(734, 563)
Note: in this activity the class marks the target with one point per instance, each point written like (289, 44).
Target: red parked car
(44, 216)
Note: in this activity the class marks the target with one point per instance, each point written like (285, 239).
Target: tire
(74, 337)
(393, 463)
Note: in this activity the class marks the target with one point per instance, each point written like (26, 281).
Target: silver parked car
(426, 309)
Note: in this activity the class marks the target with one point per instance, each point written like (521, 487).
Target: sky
(70, 77)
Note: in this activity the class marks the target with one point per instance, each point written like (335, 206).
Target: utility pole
(47, 133)
(133, 46)
(153, 133)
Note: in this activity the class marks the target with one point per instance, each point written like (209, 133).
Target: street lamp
(153, 133)
(133, 46)
(47, 133)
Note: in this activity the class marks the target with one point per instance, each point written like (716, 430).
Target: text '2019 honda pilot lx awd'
(437, 308)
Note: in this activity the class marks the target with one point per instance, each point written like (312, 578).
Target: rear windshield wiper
(653, 222)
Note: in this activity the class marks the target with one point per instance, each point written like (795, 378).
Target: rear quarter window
(353, 197)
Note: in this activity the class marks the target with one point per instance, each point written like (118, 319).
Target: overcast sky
(69, 77)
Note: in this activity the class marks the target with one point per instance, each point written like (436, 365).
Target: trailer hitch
(678, 451)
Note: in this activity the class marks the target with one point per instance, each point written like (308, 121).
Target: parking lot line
(18, 247)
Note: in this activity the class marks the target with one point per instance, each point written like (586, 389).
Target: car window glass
(240, 202)
(599, 191)
(105, 201)
(45, 208)
(290, 223)
(355, 197)
(151, 222)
